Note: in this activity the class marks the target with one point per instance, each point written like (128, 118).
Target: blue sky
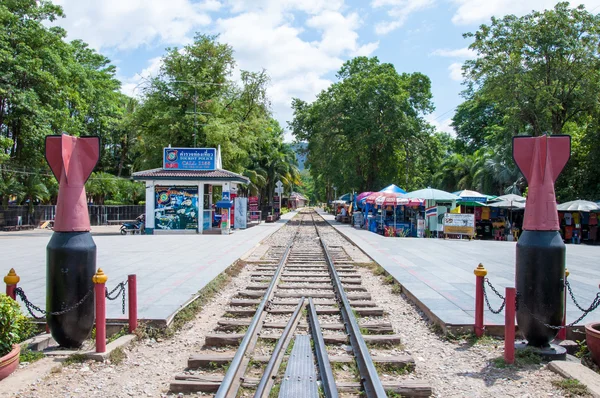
(301, 43)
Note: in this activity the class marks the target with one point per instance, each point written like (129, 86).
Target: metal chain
(121, 292)
(30, 306)
(499, 310)
(592, 307)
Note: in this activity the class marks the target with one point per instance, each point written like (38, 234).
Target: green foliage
(572, 387)
(524, 357)
(75, 358)
(536, 74)
(14, 326)
(30, 356)
(367, 130)
(117, 356)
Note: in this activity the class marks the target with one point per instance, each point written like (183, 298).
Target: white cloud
(442, 126)
(132, 86)
(128, 24)
(266, 35)
(398, 10)
(456, 71)
(457, 53)
(476, 11)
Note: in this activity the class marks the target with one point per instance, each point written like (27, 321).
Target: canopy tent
(346, 197)
(363, 195)
(432, 194)
(509, 198)
(393, 189)
(510, 201)
(391, 199)
(471, 196)
(579, 205)
(507, 204)
(471, 203)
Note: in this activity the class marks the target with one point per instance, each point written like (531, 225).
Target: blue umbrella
(393, 189)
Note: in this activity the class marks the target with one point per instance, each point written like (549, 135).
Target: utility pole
(195, 85)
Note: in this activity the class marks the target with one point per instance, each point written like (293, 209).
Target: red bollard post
(132, 283)
(99, 288)
(562, 333)
(11, 281)
(480, 273)
(509, 325)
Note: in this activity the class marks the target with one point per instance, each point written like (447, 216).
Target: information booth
(179, 195)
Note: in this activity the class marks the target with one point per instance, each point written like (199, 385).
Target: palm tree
(34, 190)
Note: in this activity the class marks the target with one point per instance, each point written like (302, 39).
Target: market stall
(579, 221)
(397, 215)
(437, 203)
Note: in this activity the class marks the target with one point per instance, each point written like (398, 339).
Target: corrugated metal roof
(199, 175)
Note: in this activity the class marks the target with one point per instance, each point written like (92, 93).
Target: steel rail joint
(282, 343)
(368, 373)
(234, 367)
(327, 379)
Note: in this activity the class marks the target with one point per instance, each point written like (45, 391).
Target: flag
(431, 211)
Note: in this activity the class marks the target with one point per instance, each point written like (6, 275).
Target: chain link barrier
(595, 304)
(30, 306)
(121, 292)
(487, 301)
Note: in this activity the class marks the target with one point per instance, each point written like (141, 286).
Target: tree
(542, 69)
(367, 129)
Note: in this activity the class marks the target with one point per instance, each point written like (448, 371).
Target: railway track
(305, 304)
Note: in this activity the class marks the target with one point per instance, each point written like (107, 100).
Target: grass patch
(123, 332)
(117, 356)
(30, 356)
(471, 339)
(349, 367)
(524, 357)
(189, 313)
(437, 329)
(389, 280)
(274, 393)
(75, 358)
(572, 387)
(396, 288)
(392, 368)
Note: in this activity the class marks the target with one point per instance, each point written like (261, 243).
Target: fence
(99, 215)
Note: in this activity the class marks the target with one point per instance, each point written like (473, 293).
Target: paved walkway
(170, 269)
(439, 273)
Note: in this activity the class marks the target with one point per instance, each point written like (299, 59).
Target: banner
(176, 207)
(189, 158)
(241, 214)
(253, 208)
(461, 224)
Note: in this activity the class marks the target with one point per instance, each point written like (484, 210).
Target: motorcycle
(133, 227)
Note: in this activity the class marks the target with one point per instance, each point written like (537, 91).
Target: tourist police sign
(189, 158)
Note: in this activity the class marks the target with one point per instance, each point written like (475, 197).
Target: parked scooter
(133, 227)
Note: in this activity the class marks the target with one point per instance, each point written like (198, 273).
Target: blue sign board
(225, 196)
(190, 158)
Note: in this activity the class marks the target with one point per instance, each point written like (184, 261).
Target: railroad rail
(315, 287)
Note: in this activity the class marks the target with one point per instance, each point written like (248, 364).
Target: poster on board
(459, 224)
(241, 214)
(176, 208)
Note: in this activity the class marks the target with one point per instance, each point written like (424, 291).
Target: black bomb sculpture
(71, 252)
(540, 265)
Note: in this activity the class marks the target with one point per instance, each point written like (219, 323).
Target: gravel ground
(454, 369)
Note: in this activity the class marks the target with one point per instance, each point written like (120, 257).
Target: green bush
(14, 326)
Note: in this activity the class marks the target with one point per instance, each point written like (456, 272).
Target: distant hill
(300, 150)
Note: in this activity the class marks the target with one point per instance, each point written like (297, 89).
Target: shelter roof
(191, 175)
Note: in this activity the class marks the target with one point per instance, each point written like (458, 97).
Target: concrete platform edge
(579, 372)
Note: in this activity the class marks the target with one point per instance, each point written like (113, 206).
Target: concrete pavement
(170, 269)
(438, 273)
